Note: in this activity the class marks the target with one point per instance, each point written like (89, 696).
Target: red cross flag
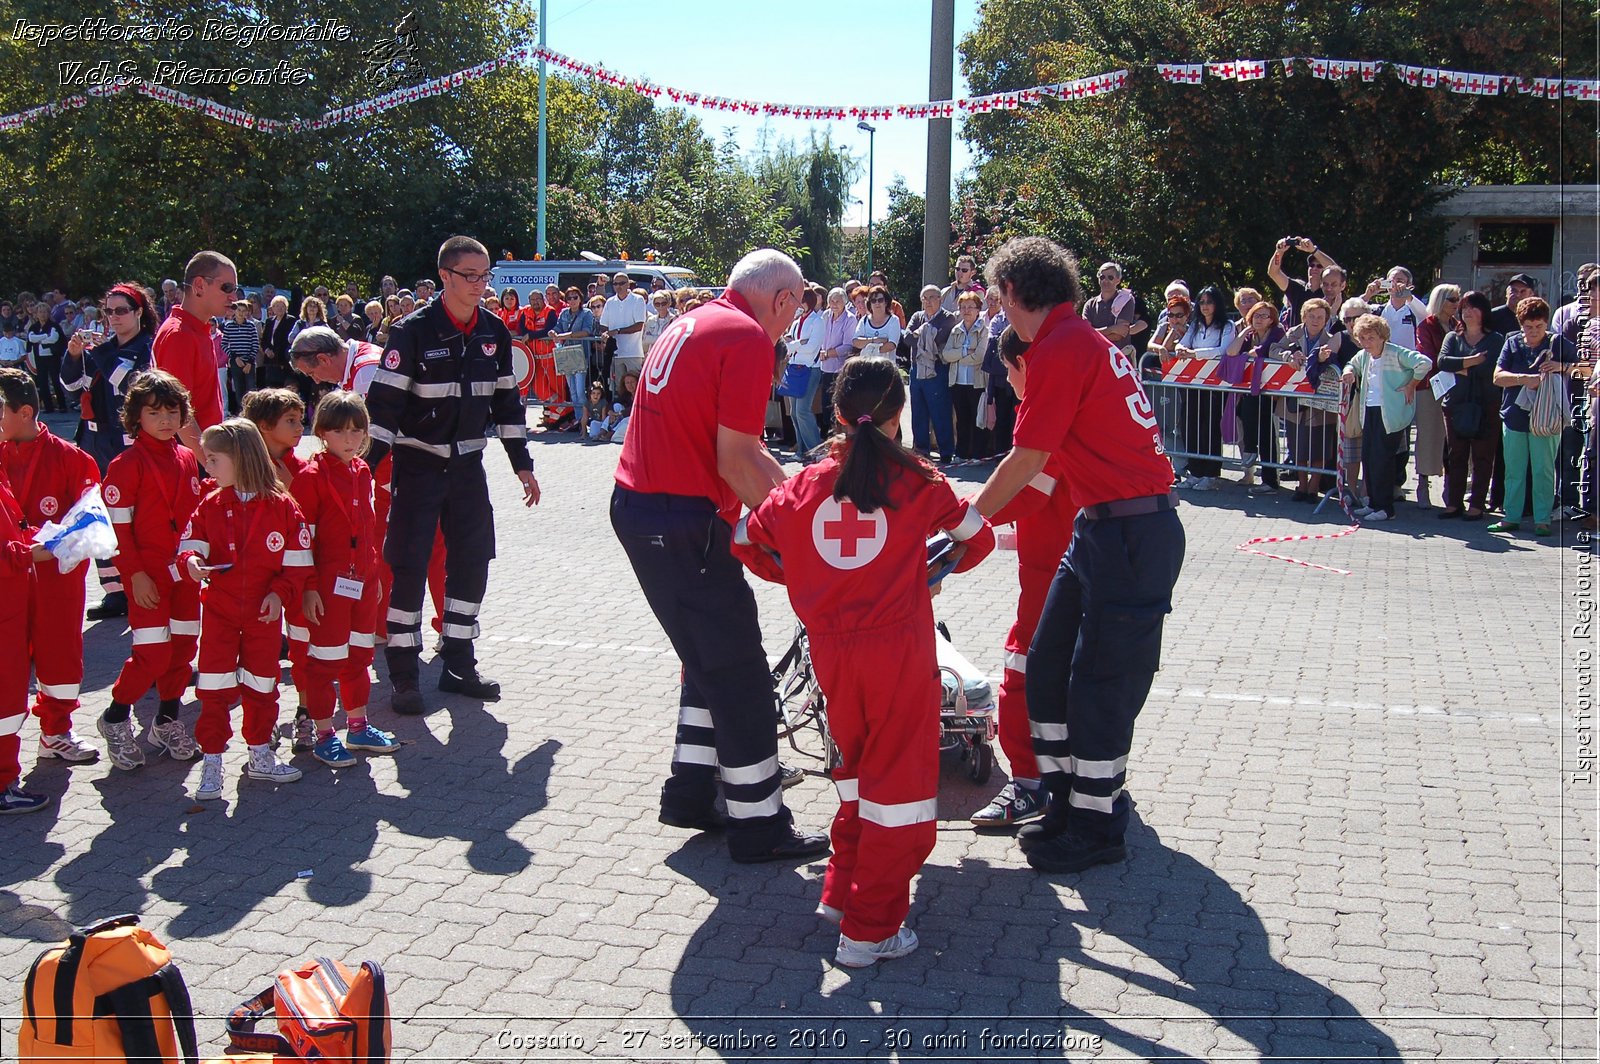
(1251, 69)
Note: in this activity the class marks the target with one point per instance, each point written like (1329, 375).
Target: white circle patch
(113, 496)
(274, 542)
(48, 506)
(305, 537)
(194, 485)
(845, 537)
(391, 360)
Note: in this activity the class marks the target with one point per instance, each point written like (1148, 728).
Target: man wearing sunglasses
(966, 281)
(183, 345)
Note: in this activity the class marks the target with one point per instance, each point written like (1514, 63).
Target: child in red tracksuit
(280, 415)
(250, 546)
(48, 476)
(1043, 513)
(851, 532)
(335, 493)
(17, 558)
(150, 490)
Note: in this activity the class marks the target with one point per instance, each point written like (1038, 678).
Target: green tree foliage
(131, 186)
(812, 190)
(1200, 181)
(896, 246)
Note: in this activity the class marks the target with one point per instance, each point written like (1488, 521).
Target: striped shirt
(242, 340)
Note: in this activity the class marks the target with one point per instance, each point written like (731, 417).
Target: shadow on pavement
(1002, 951)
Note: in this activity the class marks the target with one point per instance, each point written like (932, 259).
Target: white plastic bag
(84, 532)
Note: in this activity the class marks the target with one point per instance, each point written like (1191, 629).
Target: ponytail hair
(868, 397)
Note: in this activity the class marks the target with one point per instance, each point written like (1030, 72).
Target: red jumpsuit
(859, 582)
(294, 622)
(268, 546)
(337, 501)
(1043, 513)
(48, 475)
(16, 595)
(151, 489)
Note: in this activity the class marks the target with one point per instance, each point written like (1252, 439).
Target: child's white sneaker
(853, 954)
(68, 747)
(830, 914)
(210, 778)
(264, 766)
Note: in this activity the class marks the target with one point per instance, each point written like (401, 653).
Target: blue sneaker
(331, 752)
(371, 740)
(16, 800)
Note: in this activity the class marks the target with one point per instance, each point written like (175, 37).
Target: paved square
(1362, 831)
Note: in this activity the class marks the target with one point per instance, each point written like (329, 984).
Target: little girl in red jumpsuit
(249, 545)
(851, 532)
(335, 493)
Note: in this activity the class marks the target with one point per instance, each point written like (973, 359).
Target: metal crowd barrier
(537, 374)
(1193, 404)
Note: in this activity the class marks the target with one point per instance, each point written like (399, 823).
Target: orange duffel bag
(323, 1011)
(111, 993)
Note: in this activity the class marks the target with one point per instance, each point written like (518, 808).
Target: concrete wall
(1575, 210)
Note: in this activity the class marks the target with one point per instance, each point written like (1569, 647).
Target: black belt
(1148, 504)
(650, 500)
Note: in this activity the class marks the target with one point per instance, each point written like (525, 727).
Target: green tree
(811, 190)
(1200, 181)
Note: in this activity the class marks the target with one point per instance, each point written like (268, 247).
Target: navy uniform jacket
(443, 391)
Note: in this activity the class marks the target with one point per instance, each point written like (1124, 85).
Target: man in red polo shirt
(1098, 643)
(693, 453)
(183, 344)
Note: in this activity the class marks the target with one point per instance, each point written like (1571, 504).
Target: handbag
(795, 381)
(985, 416)
(1550, 414)
(572, 359)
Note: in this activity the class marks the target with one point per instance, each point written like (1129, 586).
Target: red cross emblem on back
(845, 537)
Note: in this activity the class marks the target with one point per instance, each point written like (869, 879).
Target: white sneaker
(170, 736)
(1374, 516)
(210, 779)
(264, 766)
(829, 913)
(1362, 511)
(67, 747)
(1423, 501)
(123, 749)
(1202, 484)
(853, 954)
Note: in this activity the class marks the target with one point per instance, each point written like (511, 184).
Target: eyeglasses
(963, 269)
(228, 288)
(621, 282)
(470, 278)
(119, 311)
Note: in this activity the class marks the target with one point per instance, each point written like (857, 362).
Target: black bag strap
(242, 1033)
(130, 1005)
(378, 1017)
(171, 982)
(66, 986)
(109, 924)
(27, 990)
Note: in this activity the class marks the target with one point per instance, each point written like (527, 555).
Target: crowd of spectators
(1466, 439)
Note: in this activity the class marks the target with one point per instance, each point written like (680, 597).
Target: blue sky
(842, 53)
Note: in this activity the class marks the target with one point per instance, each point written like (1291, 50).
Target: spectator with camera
(1318, 263)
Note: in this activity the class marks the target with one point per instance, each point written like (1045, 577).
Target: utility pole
(870, 131)
(543, 140)
(941, 86)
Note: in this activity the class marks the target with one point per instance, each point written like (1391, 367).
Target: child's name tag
(345, 587)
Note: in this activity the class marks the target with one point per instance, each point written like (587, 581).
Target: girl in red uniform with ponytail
(852, 532)
(248, 544)
(335, 493)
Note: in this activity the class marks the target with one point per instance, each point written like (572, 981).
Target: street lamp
(869, 130)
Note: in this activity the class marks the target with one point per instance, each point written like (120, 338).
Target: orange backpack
(111, 993)
(324, 1012)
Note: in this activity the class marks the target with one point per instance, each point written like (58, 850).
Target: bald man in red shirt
(183, 344)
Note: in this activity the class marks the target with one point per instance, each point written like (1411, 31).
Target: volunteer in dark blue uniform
(1098, 643)
(100, 377)
(693, 453)
(445, 385)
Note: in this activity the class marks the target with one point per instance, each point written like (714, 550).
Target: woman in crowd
(1314, 349)
(805, 350)
(963, 352)
(510, 312)
(661, 314)
(273, 369)
(312, 312)
(838, 344)
(1429, 445)
(1210, 334)
(408, 303)
(344, 320)
(1383, 378)
(858, 300)
(45, 347)
(1257, 333)
(375, 324)
(1528, 361)
(1471, 408)
(1001, 394)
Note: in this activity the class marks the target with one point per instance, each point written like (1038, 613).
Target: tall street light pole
(869, 130)
(539, 233)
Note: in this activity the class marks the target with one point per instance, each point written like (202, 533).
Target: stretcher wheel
(982, 763)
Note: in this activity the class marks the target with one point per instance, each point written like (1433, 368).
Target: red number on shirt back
(1138, 403)
(664, 354)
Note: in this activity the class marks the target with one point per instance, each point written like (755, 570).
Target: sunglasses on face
(118, 311)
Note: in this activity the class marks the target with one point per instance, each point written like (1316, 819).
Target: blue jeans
(807, 435)
(575, 383)
(930, 407)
